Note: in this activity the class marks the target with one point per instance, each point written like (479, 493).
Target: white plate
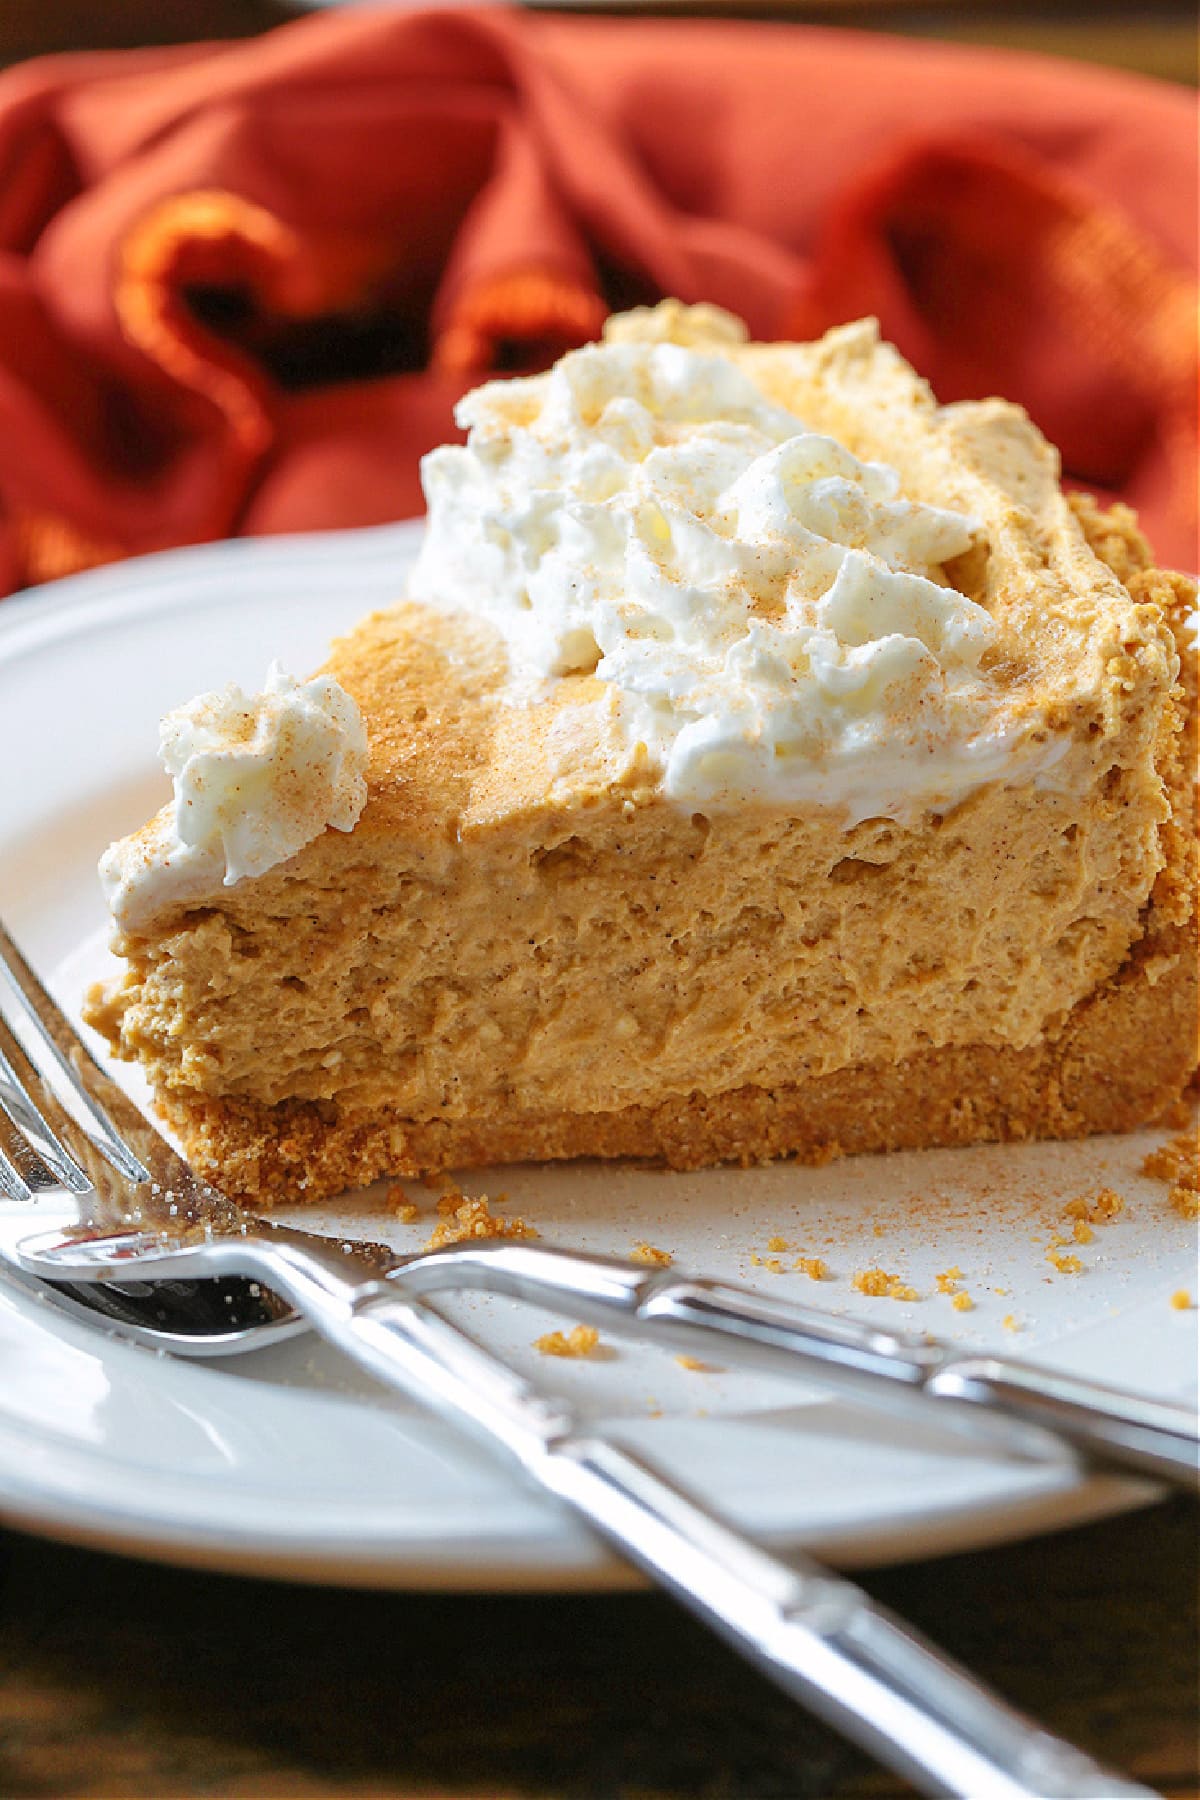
(289, 1463)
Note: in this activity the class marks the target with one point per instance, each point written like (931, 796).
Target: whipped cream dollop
(256, 777)
(766, 606)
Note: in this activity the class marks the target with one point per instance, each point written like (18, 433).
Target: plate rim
(484, 1561)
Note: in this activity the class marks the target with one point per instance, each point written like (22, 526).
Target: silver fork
(817, 1635)
(1002, 1404)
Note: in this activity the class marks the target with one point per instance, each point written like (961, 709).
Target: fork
(818, 1636)
(1001, 1404)
(998, 1404)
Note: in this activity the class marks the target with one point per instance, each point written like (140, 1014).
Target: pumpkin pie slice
(764, 761)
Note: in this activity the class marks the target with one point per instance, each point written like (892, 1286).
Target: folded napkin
(241, 285)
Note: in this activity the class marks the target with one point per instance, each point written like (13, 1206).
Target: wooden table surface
(125, 1679)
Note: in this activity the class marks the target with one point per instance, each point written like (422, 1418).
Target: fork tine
(13, 1184)
(52, 1045)
(18, 1106)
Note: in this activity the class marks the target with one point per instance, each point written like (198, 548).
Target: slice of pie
(765, 761)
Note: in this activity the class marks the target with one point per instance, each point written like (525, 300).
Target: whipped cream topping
(256, 777)
(766, 606)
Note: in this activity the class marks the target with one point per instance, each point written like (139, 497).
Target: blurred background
(253, 252)
(1158, 39)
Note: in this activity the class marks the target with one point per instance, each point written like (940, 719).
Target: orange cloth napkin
(241, 285)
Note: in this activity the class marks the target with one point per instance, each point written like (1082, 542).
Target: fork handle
(1014, 1407)
(816, 1635)
(1109, 1425)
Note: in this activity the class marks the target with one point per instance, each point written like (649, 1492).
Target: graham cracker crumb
(400, 1204)
(1100, 1211)
(1107, 1205)
(947, 1283)
(473, 1218)
(871, 1281)
(1184, 1198)
(646, 1253)
(1066, 1265)
(1011, 1322)
(581, 1340)
(1181, 1300)
(693, 1362)
(879, 1283)
(812, 1266)
(1178, 1162)
(1082, 1232)
(778, 1243)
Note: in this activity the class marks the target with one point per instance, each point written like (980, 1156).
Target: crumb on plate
(1178, 1162)
(581, 1340)
(813, 1266)
(401, 1205)
(1184, 1198)
(879, 1283)
(1101, 1210)
(1172, 1160)
(647, 1253)
(473, 1218)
